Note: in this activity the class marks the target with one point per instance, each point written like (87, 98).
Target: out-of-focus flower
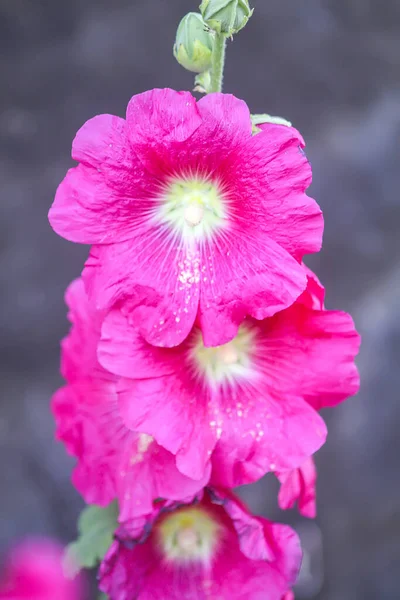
(113, 462)
(33, 571)
(189, 214)
(210, 549)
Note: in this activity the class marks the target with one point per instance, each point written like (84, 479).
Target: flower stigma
(189, 535)
(195, 207)
(228, 362)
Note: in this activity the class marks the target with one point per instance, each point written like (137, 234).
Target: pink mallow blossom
(190, 215)
(251, 404)
(33, 570)
(212, 548)
(113, 462)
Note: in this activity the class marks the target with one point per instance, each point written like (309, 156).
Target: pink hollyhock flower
(298, 486)
(189, 214)
(251, 401)
(34, 571)
(113, 462)
(210, 549)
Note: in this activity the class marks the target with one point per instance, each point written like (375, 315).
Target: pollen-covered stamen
(227, 362)
(189, 535)
(195, 207)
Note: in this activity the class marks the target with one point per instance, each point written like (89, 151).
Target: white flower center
(188, 535)
(193, 214)
(228, 362)
(194, 207)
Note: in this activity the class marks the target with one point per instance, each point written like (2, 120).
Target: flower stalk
(218, 63)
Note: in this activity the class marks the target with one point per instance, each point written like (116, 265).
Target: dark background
(330, 66)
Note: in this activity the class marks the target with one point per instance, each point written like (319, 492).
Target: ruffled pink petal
(105, 198)
(247, 274)
(113, 461)
(250, 530)
(74, 408)
(311, 353)
(172, 132)
(226, 120)
(144, 477)
(299, 486)
(123, 351)
(159, 122)
(272, 175)
(79, 347)
(264, 433)
(102, 143)
(314, 295)
(123, 571)
(159, 289)
(175, 414)
(262, 540)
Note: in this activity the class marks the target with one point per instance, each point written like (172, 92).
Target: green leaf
(102, 597)
(260, 119)
(96, 528)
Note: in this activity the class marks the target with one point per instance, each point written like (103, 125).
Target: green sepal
(261, 119)
(96, 528)
(203, 82)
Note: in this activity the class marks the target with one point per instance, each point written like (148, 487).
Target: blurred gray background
(330, 66)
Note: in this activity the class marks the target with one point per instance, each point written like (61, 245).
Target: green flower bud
(226, 16)
(194, 44)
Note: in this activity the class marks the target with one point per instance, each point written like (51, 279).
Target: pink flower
(113, 462)
(251, 401)
(298, 486)
(210, 549)
(33, 571)
(190, 216)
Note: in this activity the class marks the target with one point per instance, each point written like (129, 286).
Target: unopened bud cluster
(195, 37)
(226, 16)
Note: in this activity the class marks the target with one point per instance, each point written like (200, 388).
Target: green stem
(218, 62)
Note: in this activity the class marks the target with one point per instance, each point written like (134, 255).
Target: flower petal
(123, 351)
(154, 278)
(264, 434)
(104, 198)
(271, 175)
(159, 120)
(298, 485)
(246, 275)
(311, 353)
(174, 415)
